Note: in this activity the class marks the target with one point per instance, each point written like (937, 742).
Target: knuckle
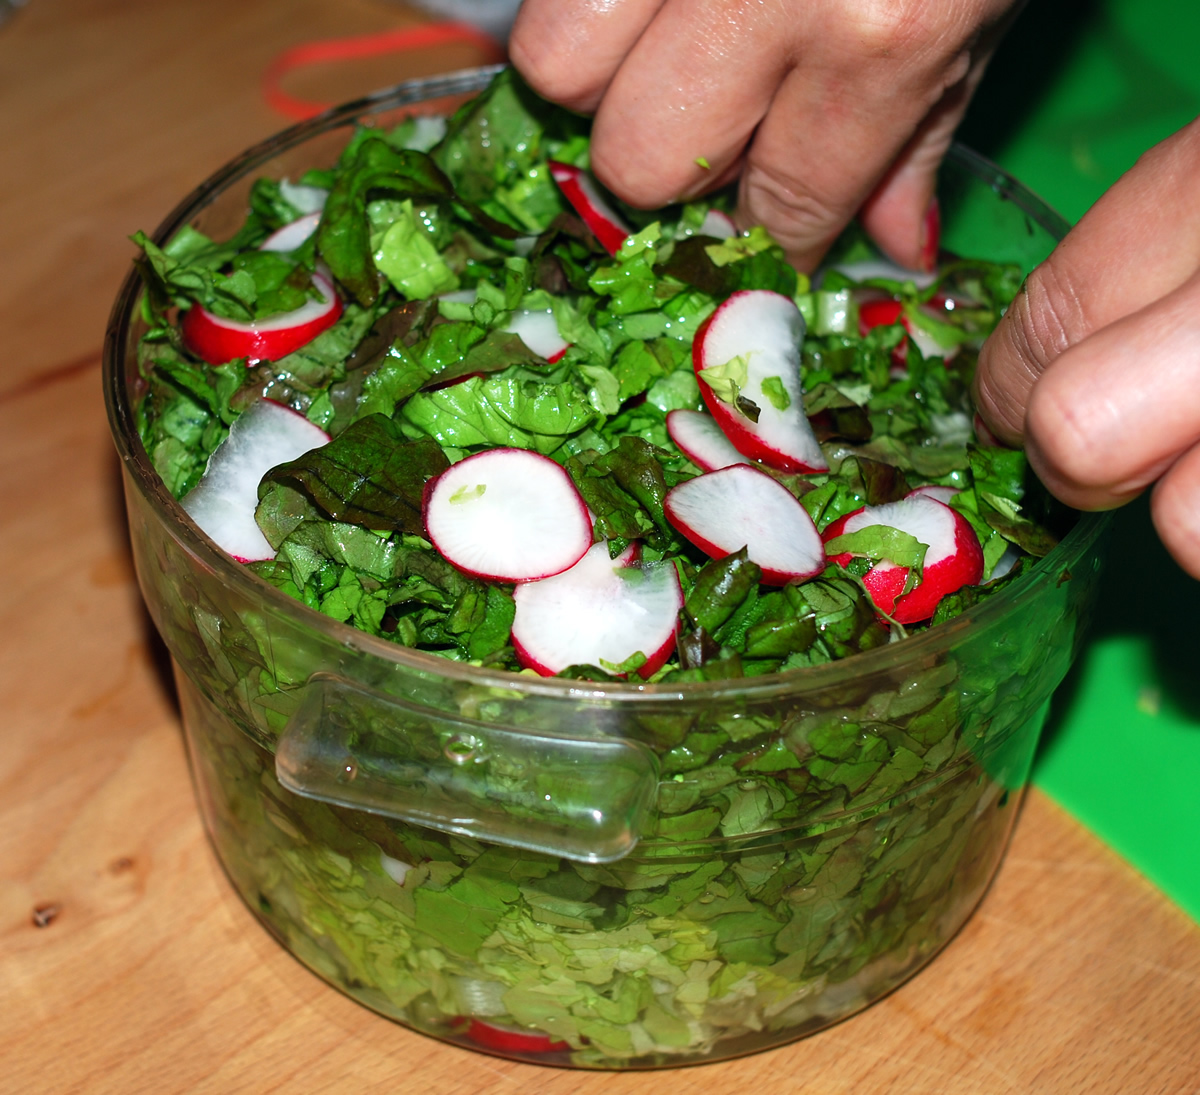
(887, 28)
(795, 216)
(547, 70)
(1073, 432)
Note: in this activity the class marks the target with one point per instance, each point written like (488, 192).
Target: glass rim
(890, 658)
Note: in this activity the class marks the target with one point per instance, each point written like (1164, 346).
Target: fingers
(690, 93)
(817, 100)
(1138, 243)
(1116, 410)
(901, 214)
(569, 50)
(1175, 508)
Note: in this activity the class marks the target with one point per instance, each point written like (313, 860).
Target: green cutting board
(1077, 92)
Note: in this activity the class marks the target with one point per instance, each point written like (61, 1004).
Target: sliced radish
(223, 502)
(881, 313)
(291, 236)
(538, 329)
(724, 511)
(702, 440)
(601, 610)
(581, 192)
(884, 268)
(933, 490)
(302, 197)
(509, 515)
(717, 224)
(506, 1039)
(765, 329)
(954, 558)
(217, 340)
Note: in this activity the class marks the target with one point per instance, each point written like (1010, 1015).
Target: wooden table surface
(127, 964)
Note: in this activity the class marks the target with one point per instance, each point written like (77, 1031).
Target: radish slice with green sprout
(601, 611)
(724, 511)
(508, 515)
(702, 440)
(266, 435)
(538, 329)
(747, 357)
(292, 235)
(953, 556)
(717, 224)
(581, 192)
(217, 340)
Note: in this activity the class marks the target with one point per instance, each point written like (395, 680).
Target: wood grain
(149, 975)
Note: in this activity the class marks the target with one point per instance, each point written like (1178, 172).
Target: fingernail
(931, 235)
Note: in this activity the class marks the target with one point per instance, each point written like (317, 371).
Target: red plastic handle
(367, 45)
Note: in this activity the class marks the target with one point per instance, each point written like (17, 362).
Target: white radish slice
(717, 224)
(702, 440)
(509, 515)
(953, 558)
(539, 331)
(304, 198)
(875, 313)
(584, 196)
(602, 610)
(724, 511)
(217, 340)
(292, 235)
(537, 328)
(266, 435)
(884, 268)
(765, 329)
(933, 490)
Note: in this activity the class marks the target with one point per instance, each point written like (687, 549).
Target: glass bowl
(601, 876)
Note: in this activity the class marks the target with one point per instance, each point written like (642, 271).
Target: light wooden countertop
(149, 975)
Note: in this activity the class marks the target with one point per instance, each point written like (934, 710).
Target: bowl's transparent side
(809, 839)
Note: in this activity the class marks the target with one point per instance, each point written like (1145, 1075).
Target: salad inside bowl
(598, 644)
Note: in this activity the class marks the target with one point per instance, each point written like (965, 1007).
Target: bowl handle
(585, 798)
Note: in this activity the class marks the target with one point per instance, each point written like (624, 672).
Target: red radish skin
(584, 197)
(217, 340)
(723, 511)
(222, 504)
(508, 515)
(601, 610)
(505, 1039)
(954, 557)
(701, 439)
(766, 329)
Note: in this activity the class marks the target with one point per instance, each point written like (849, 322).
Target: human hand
(1096, 366)
(824, 108)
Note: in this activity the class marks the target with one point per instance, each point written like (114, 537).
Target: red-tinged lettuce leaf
(369, 476)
